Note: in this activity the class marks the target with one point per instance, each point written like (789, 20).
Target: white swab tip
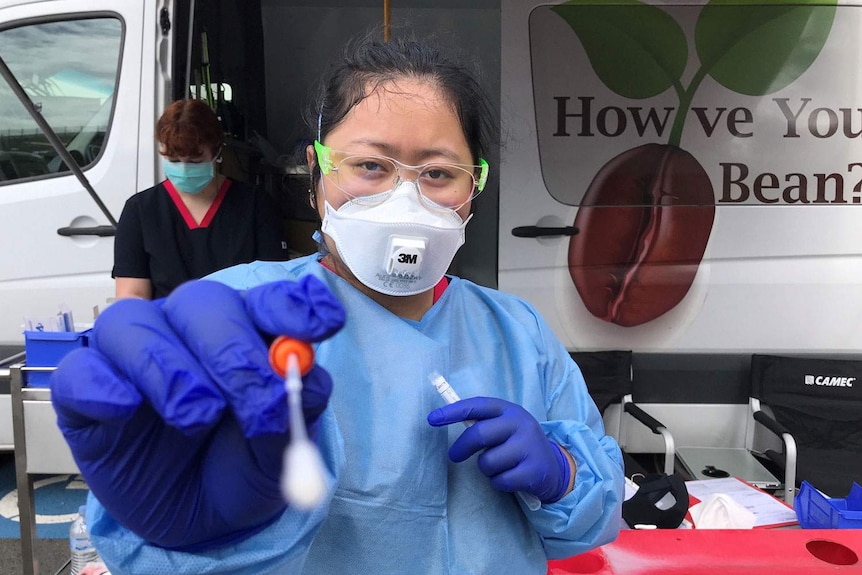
(302, 480)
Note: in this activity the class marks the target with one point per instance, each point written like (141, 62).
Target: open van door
(80, 64)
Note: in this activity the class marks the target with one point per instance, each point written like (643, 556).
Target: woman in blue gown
(178, 423)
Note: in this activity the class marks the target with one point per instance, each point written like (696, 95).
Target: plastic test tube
(449, 396)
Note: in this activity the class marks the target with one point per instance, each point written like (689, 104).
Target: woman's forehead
(403, 110)
(404, 97)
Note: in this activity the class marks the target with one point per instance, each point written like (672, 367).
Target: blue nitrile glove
(174, 415)
(516, 455)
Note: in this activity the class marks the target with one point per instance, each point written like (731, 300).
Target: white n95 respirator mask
(399, 246)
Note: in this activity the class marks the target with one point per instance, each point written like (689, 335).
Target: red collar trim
(438, 289)
(187, 215)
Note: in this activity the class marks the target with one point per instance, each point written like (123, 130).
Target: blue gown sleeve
(279, 548)
(591, 515)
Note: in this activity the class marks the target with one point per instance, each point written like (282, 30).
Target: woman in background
(195, 222)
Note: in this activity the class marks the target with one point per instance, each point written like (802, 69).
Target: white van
(676, 178)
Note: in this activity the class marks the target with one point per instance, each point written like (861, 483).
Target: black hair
(368, 62)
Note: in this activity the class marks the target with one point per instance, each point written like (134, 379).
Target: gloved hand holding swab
(302, 476)
(450, 396)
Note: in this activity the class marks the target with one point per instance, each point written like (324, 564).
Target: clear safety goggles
(368, 177)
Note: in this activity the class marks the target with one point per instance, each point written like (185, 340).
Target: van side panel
(90, 91)
(710, 161)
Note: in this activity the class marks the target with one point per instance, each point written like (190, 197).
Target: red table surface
(707, 552)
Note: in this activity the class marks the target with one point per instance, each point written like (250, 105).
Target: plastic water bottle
(82, 548)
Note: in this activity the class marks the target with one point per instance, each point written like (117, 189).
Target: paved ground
(50, 550)
(51, 554)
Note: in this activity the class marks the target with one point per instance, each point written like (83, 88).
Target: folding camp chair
(815, 406)
(608, 375)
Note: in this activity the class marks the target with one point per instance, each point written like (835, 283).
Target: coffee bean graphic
(644, 224)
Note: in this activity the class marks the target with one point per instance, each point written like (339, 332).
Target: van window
(69, 70)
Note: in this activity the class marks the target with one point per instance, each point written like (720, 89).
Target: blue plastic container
(816, 511)
(47, 348)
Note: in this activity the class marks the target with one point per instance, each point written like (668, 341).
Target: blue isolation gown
(398, 504)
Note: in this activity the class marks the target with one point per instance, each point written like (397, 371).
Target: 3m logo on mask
(828, 381)
(404, 258)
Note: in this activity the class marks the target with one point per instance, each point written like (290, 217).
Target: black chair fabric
(608, 375)
(819, 401)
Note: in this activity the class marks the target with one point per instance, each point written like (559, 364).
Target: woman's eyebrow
(437, 152)
(389, 150)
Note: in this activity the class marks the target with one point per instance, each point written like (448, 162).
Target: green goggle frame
(324, 160)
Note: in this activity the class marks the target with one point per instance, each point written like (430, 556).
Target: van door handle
(101, 231)
(542, 232)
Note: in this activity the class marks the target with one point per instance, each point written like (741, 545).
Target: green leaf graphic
(758, 49)
(637, 50)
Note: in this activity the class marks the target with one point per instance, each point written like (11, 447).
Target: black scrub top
(157, 238)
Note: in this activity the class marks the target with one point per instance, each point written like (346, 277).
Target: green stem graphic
(685, 98)
(752, 48)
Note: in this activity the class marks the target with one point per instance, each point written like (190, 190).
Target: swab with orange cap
(302, 477)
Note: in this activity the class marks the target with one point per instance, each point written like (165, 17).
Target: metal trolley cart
(13, 355)
(39, 449)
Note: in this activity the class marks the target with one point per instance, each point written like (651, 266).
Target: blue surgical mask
(188, 177)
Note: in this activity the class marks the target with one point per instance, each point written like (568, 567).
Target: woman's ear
(310, 158)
